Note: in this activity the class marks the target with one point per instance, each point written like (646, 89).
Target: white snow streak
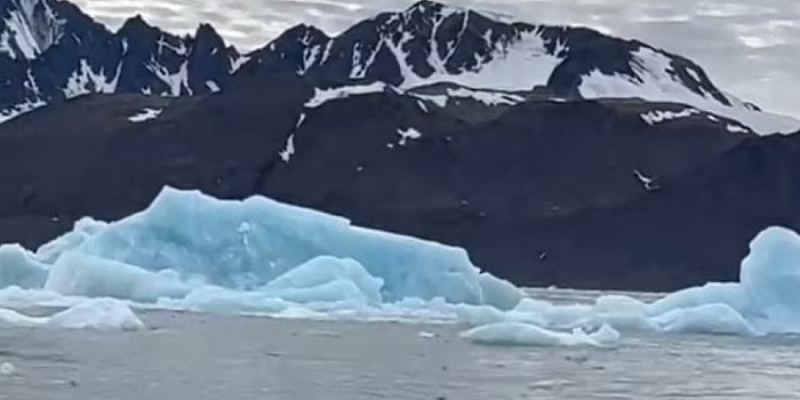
(486, 97)
(85, 81)
(178, 82)
(657, 117)
(15, 111)
(736, 129)
(146, 115)
(408, 134)
(212, 86)
(18, 25)
(238, 62)
(288, 151)
(322, 96)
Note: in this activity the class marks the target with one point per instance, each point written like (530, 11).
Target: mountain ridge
(427, 43)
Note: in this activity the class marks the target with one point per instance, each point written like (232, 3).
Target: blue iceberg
(191, 251)
(188, 245)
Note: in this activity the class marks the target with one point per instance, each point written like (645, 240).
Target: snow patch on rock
(146, 114)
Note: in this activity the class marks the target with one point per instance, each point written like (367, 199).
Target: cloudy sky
(749, 47)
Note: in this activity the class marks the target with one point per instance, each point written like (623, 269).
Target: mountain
(618, 194)
(554, 155)
(51, 52)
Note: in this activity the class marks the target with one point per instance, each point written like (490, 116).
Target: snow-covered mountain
(50, 52)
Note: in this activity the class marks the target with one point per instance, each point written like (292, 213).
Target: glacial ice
(96, 314)
(715, 318)
(520, 334)
(188, 251)
(246, 245)
(20, 268)
(76, 274)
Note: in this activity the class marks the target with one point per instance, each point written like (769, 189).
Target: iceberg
(189, 251)
(764, 301)
(95, 314)
(520, 334)
(194, 252)
(251, 245)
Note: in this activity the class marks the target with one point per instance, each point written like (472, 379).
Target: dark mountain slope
(535, 194)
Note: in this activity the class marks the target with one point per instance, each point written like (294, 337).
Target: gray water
(198, 356)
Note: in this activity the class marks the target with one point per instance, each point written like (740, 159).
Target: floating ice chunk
(519, 334)
(549, 384)
(97, 314)
(731, 294)
(18, 267)
(770, 276)
(76, 274)
(7, 368)
(710, 318)
(478, 315)
(621, 312)
(606, 336)
(546, 314)
(330, 334)
(619, 304)
(293, 312)
(427, 335)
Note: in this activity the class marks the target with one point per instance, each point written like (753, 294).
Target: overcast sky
(749, 47)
